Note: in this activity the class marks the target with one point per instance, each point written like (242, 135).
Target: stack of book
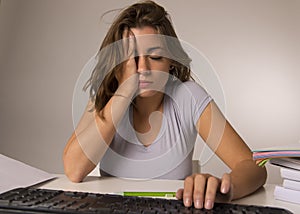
(290, 173)
(288, 159)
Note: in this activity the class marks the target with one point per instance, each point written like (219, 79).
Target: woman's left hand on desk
(204, 189)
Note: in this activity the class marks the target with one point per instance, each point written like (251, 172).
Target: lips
(144, 84)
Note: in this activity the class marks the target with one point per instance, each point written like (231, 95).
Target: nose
(142, 65)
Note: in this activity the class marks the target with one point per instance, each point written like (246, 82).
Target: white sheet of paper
(14, 174)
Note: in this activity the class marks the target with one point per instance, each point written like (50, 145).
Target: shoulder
(189, 99)
(188, 89)
(193, 86)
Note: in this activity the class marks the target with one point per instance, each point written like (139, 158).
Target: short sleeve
(191, 99)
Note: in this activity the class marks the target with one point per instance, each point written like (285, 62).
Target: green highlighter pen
(151, 194)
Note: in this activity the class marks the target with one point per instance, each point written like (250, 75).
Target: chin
(146, 93)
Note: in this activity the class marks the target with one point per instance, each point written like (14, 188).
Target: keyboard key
(4, 202)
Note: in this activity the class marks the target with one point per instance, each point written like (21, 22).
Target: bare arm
(245, 176)
(90, 140)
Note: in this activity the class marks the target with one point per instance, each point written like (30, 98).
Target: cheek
(160, 78)
(163, 67)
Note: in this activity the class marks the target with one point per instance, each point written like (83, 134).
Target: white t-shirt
(170, 155)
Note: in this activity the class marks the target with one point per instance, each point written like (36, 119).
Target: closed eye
(154, 57)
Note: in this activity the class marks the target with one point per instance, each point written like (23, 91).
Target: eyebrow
(149, 50)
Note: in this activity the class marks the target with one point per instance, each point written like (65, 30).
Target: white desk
(263, 197)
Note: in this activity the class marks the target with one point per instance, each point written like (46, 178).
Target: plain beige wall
(253, 46)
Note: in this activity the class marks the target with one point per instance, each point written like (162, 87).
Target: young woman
(145, 113)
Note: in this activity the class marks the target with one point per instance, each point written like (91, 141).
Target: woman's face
(151, 64)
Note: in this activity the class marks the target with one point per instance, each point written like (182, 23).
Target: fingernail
(198, 204)
(209, 204)
(187, 202)
(224, 190)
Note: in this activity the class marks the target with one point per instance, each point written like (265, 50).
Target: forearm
(76, 164)
(92, 137)
(246, 178)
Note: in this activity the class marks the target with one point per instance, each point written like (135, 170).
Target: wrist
(126, 91)
(128, 87)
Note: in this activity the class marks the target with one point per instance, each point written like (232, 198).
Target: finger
(199, 190)
(188, 191)
(129, 65)
(131, 46)
(225, 193)
(125, 41)
(225, 184)
(211, 190)
(179, 193)
(128, 42)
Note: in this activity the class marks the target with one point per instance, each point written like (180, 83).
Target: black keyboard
(31, 200)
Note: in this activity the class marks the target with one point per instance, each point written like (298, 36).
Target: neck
(147, 105)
